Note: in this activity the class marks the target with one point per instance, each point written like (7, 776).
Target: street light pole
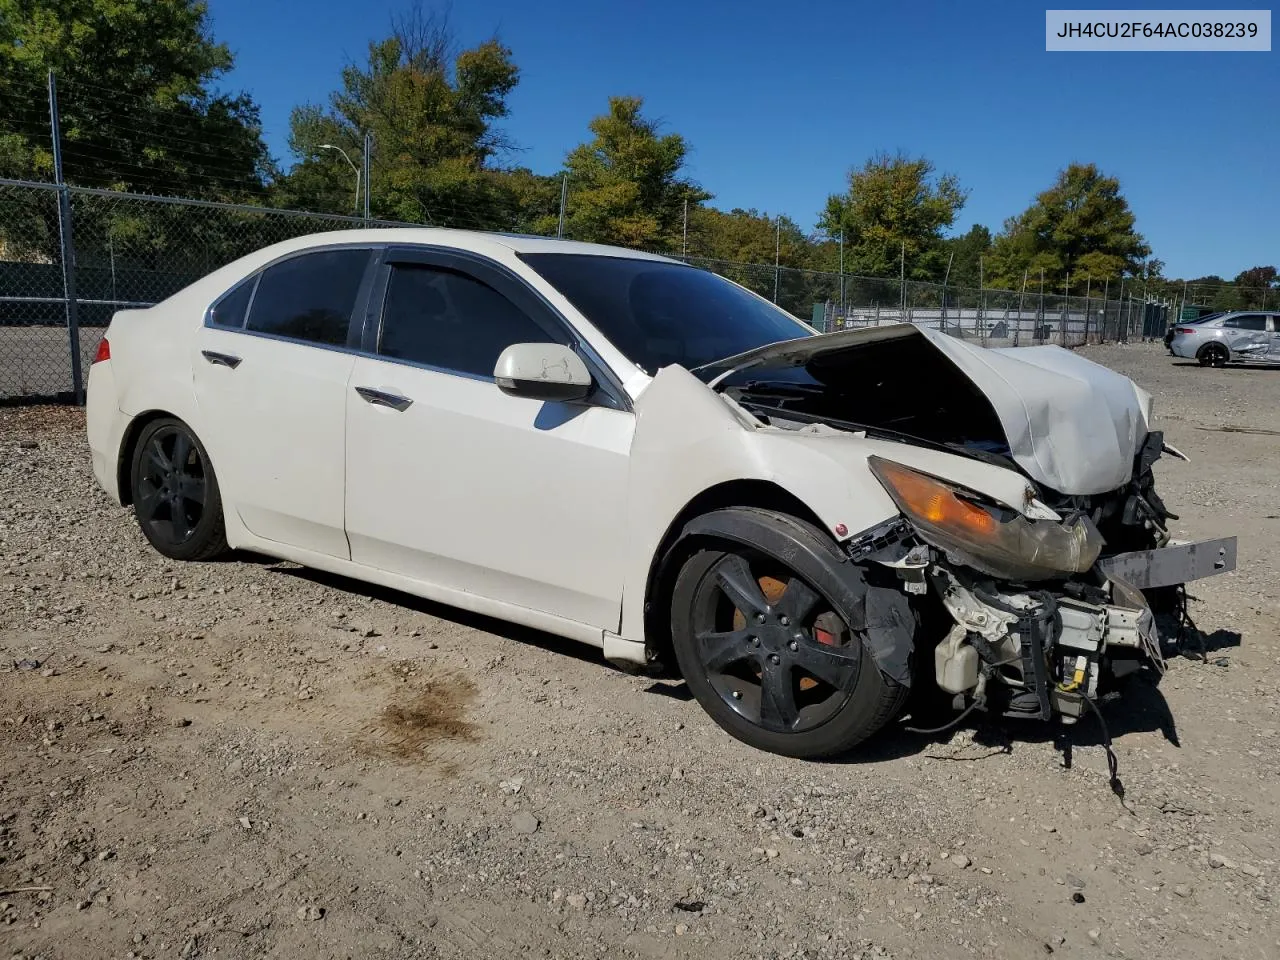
(354, 169)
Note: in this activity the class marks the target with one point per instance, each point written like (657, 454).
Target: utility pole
(564, 197)
(368, 154)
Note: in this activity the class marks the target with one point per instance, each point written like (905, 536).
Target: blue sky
(778, 101)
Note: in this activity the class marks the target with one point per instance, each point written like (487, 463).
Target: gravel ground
(246, 759)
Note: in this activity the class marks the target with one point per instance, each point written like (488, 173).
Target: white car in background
(643, 456)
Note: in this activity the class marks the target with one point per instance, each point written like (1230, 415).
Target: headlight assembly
(984, 535)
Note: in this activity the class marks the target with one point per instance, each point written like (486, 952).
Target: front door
(452, 482)
(271, 370)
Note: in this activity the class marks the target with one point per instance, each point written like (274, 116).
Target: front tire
(175, 492)
(771, 659)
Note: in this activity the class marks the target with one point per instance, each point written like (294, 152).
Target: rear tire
(786, 674)
(1213, 355)
(175, 492)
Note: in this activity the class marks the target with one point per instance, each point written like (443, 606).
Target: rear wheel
(1213, 355)
(772, 660)
(175, 492)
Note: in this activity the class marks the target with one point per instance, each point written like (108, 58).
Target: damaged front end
(1041, 617)
(1049, 587)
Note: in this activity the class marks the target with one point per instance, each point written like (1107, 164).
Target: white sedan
(643, 456)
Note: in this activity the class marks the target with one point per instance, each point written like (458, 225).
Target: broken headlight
(987, 536)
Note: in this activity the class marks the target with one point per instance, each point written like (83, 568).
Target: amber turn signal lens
(935, 502)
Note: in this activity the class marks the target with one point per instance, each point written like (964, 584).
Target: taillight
(104, 351)
(1182, 330)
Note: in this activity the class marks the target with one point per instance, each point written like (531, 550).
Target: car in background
(1173, 328)
(1242, 336)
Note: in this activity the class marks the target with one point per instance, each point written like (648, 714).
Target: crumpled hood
(1071, 424)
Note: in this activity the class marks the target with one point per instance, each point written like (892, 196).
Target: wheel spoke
(719, 650)
(147, 504)
(181, 451)
(837, 667)
(157, 457)
(192, 488)
(798, 601)
(778, 710)
(739, 585)
(178, 521)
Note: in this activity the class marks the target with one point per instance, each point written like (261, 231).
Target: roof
(478, 241)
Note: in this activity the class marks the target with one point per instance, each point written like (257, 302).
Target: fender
(881, 615)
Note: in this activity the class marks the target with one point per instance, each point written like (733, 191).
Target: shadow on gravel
(1240, 366)
(476, 621)
(1198, 646)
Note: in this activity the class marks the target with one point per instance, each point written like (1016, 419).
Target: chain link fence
(833, 301)
(129, 250)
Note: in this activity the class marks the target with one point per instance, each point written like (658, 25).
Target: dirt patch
(410, 727)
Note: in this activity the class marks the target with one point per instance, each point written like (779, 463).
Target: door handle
(383, 399)
(225, 359)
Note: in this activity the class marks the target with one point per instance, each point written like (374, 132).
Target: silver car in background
(1242, 336)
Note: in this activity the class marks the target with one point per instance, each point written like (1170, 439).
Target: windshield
(659, 313)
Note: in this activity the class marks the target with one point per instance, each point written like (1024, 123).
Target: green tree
(626, 185)
(968, 249)
(745, 244)
(1081, 226)
(432, 110)
(1255, 288)
(135, 96)
(895, 207)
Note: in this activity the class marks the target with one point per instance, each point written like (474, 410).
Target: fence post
(1088, 289)
(777, 258)
(1066, 308)
(368, 156)
(67, 243)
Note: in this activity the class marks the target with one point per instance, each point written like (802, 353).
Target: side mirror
(542, 371)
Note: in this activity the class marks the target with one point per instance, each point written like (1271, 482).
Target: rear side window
(230, 310)
(1246, 323)
(446, 319)
(310, 297)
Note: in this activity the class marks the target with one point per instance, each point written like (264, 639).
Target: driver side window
(451, 321)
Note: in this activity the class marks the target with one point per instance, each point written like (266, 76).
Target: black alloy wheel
(175, 492)
(772, 659)
(1213, 355)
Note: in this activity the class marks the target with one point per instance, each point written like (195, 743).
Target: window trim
(609, 391)
(354, 320)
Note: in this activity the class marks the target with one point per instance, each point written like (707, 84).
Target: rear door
(271, 368)
(1273, 354)
(452, 482)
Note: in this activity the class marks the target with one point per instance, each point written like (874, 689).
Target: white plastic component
(955, 662)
